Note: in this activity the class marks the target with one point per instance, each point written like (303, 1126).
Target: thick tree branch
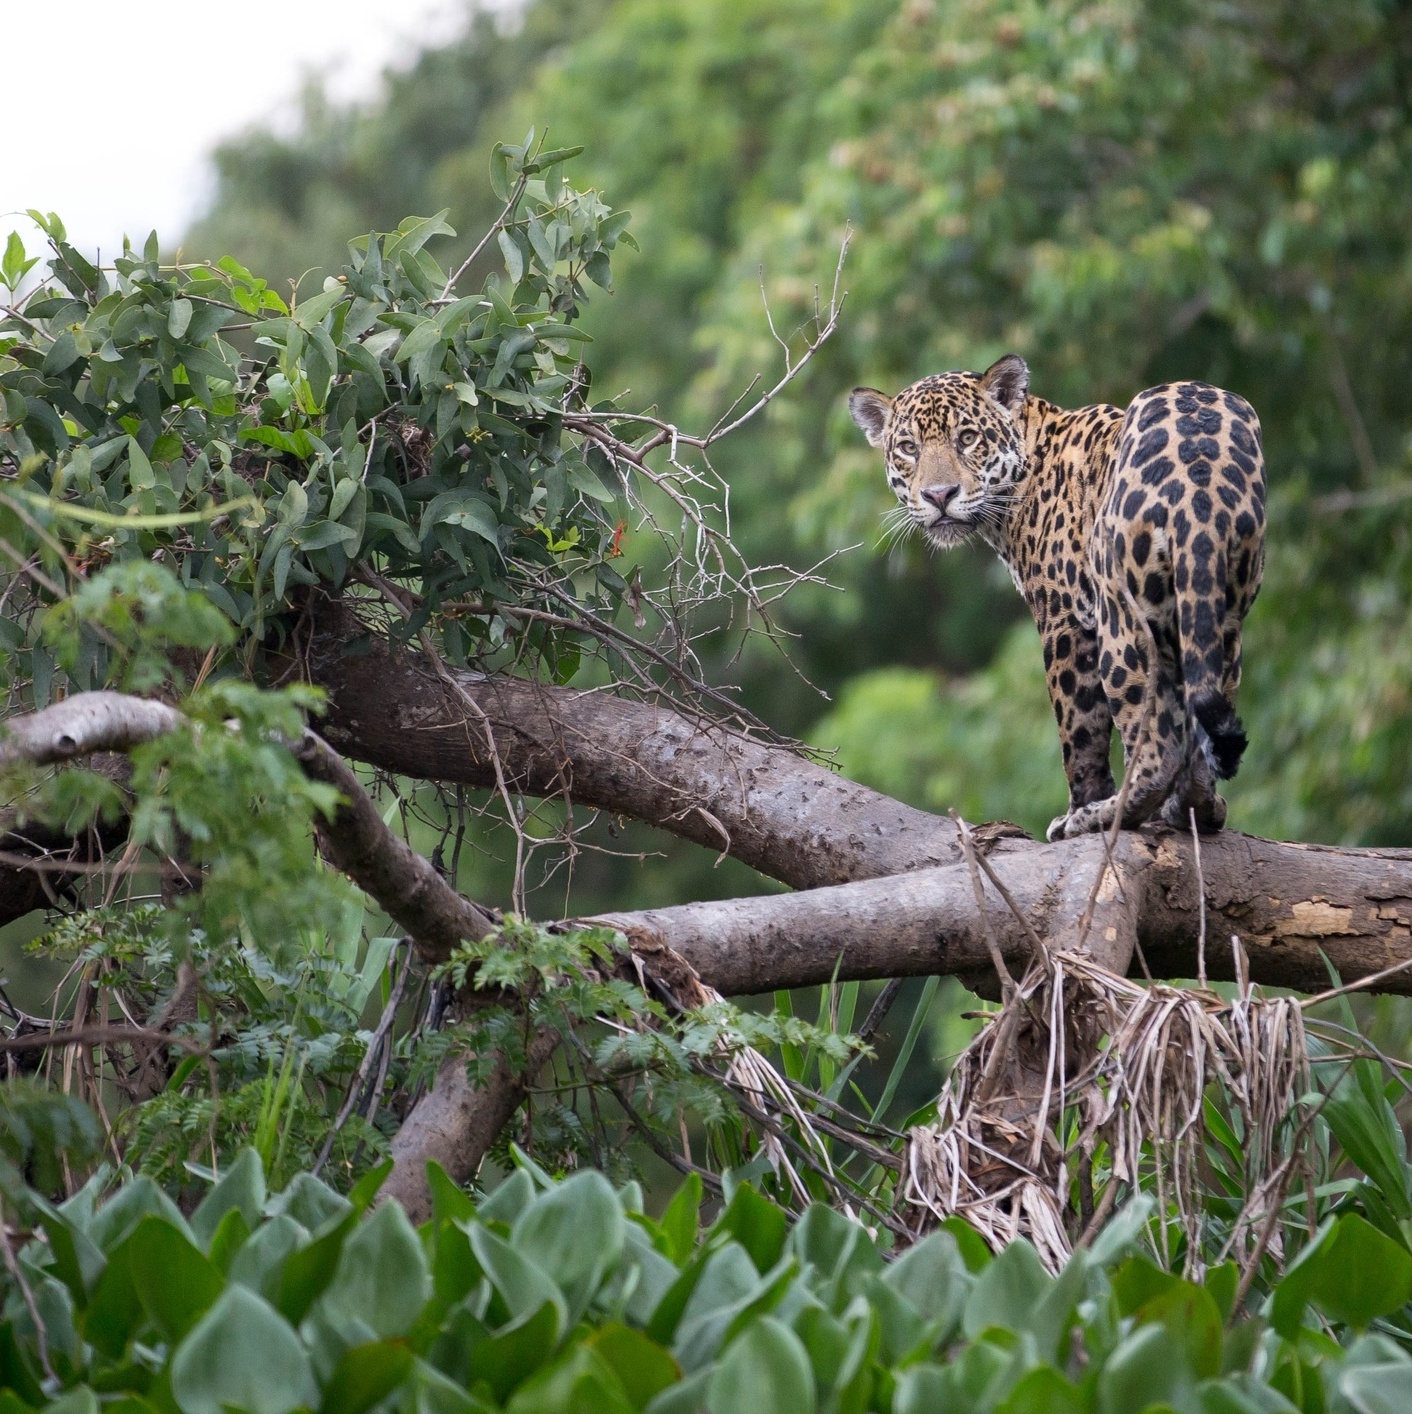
(405, 884)
(354, 840)
(883, 890)
(775, 810)
(81, 725)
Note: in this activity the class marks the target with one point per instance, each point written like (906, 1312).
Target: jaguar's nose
(939, 496)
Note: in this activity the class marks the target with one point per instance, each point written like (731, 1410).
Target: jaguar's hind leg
(1195, 789)
(1151, 721)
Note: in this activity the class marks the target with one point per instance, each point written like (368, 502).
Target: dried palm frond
(1087, 1084)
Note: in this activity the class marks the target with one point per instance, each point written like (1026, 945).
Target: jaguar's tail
(1223, 729)
(1210, 649)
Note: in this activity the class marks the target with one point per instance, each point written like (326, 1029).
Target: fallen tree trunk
(774, 809)
(887, 898)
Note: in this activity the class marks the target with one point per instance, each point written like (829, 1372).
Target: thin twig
(373, 1052)
(1201, 887)
(1359, 985)
(997, 958)
(1036, 942)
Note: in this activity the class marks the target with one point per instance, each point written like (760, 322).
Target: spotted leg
(1150, 722)
(1081, 710)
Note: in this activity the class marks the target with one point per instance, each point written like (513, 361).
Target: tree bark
(774, 809)
(882, 891)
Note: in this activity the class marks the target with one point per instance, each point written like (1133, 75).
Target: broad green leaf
(728, 1291)
(681, 1219)
(310, 1202)
(179, 319)
(242, 1354)
(365, 1376)
(1044, 1391)
(514, 257)
(580, 1380)
(932, 1276)
(522, 1284)
(644, 1368)
(1356, 1275)
(449, 1201)
(1008, 1291)
(508, 1199)
(174, 1281)
(242, 1187)
(765, 1367)
(757, 1224)
(575, 1232)
(1148, 1368)
(139, 470)
(507, 1357)
(382, 1275)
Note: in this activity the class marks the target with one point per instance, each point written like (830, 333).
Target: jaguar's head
(954, 445)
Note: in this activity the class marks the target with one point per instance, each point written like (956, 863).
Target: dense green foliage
(547, 1297)
(386, 416)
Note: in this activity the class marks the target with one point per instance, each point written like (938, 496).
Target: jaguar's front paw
(1056, 828)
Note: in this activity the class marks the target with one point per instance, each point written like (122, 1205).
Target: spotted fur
(1125, 529)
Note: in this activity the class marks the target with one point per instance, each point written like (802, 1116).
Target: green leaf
(116, 1312)
(644, 1368)
(522, 1284)
(506, 1358)
(757, 1224)
(139, 470)
(174, 1281)
(382, 1276)
(575, 1232)
(1044, 1391)
(933, 1277)
(449, 1202)
(1189, 1313)
(1350, 1270)
(307, 1271)
(972, 1246)
(514, 257)
(365, 1376)
(579, 1381)
(413, 233)
(241, 1187)
(765, 1367)
(681, 1219)
(1007, 1292)
(242, 1354)
(179, 317)
(729, 1290)
(1148, 1368)
(509, 1199)
(15, 266)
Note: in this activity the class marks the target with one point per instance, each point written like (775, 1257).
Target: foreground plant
(546, 1297)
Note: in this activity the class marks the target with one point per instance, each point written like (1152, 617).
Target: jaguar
(1137, 538)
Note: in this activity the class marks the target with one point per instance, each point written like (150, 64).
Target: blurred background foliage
(1122, 192)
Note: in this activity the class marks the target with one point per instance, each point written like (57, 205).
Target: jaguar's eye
(967, 439)
(906, 449)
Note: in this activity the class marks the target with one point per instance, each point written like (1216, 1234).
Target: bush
(550, 1296)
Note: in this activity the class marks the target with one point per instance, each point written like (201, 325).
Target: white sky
(110, 109)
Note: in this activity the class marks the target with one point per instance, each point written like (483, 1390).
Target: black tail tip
(1228, 739)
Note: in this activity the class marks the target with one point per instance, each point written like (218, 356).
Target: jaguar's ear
(870, 409)
(1007, 380)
